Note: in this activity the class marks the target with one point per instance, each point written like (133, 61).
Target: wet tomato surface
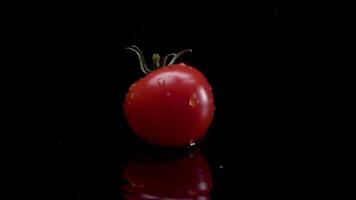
(170, 106)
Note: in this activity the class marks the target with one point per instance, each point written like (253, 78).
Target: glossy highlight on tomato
(170, 106)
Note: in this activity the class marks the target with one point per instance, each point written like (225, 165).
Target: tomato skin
(171, 106)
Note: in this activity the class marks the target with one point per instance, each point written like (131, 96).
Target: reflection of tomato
(185, 178)
(170, 106)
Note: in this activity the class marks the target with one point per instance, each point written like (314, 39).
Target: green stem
(178, 55)
(141, 58)
(156, 60)
(166, 58)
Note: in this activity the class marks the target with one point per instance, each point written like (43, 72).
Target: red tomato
(183, 178)
(170, 106)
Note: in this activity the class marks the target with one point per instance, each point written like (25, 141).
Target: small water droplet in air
(161, 82)
(194, 100)
(221, 166)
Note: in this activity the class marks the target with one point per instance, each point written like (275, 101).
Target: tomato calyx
(156, 59)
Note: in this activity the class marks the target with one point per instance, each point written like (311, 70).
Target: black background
(77, 72)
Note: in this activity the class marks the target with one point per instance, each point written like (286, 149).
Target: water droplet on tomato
(161, 82)
(203, 186)
(211, 101)
(194, 100)
(130, 98)
(168, 94)
(132, 87)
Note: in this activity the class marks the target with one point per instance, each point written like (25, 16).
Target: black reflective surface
(150, 173)
(183, 177)
(74, 73)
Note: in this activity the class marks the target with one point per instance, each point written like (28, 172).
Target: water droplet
(194, 100)
(203, 186)
(132, 87)
(210, 88)
(168, 94)
(161, 82)
(221, 167)
(130, 97)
